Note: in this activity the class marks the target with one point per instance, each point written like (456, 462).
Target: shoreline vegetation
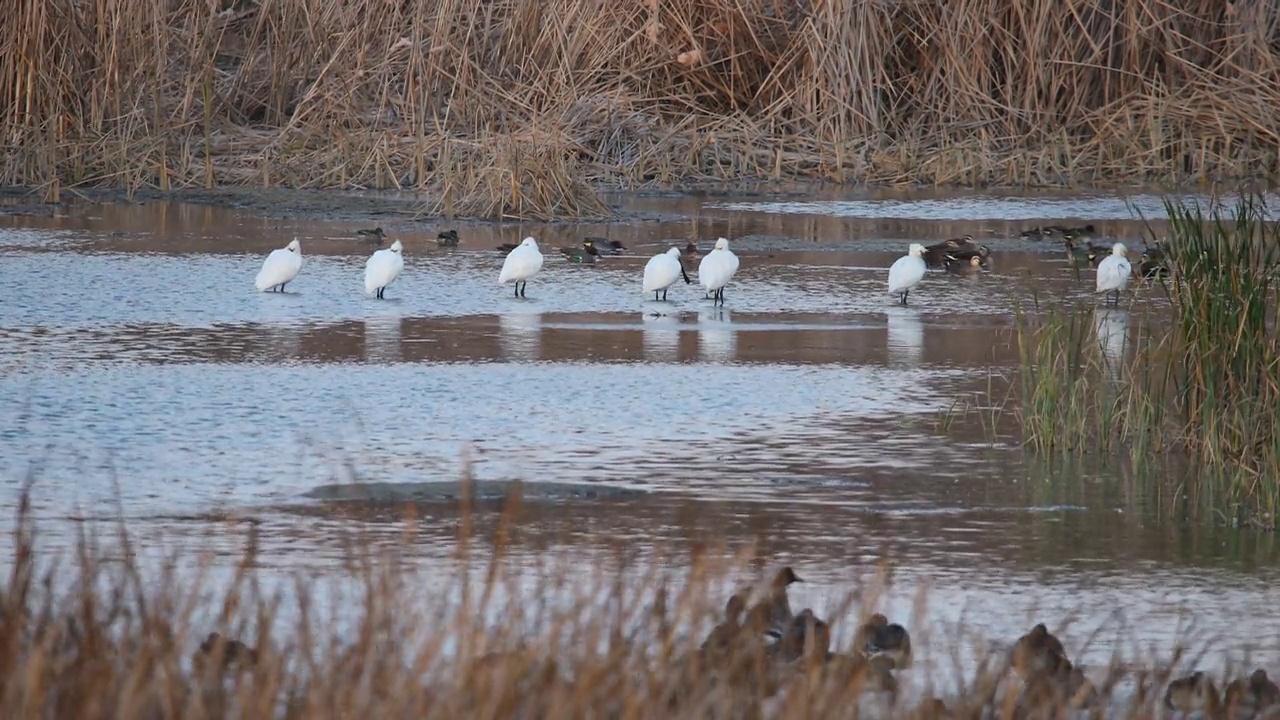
(1195, 387)
(527, 110)
(102, 635)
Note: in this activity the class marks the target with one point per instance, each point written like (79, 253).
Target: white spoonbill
(382, 268)
(281, 266)
(907, 271)
(521, 264)
(716, 268)
(661, 272)
(1114, 271)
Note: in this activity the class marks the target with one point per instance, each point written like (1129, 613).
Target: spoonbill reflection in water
(661, 337)
(382, 335)
(1111, 325)
(905, 341)
(717, 340)
(520, 335)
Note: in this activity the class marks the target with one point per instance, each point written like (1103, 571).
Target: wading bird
(281, 266)
(382, 268)
(662, 271)
(521, 264)
(907, 272)
(1114, 271)
(717, 268)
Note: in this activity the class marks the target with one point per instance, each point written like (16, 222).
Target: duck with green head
(579, 255)
(448, 238)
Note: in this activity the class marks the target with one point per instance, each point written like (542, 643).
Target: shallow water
(137, 363)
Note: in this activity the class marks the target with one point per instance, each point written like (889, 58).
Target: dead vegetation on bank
(524, 108)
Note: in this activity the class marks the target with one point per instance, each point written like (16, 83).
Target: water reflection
(773, 468)
(717, 340)
(281, 342)
(661, 337)
(906, 336)
(520, 335)
(1111, 325)
(382, 335)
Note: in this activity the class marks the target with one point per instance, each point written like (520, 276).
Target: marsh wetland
(810, 416)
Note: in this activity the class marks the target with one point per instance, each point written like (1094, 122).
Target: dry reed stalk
(142, 93)
(107, 637)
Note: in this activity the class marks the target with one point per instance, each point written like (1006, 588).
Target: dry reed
(522, 109)
(106, 638)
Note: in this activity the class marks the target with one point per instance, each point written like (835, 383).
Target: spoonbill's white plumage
(662, 271)
(1114, 271)
(281, 266)
(717, 268)
(382, 268)
(521, 264)
(907, 271)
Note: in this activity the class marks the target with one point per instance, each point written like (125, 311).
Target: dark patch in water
(448, 492)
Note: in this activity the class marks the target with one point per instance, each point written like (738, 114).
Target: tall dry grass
(523, 108)
(104, 635)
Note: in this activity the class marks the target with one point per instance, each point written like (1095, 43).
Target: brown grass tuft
(107, 636)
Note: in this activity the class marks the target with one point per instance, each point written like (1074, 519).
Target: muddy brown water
(138, 364)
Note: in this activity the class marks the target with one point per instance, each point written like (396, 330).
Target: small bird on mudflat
(374, 235)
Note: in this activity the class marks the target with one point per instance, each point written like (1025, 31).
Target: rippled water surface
(809, 414)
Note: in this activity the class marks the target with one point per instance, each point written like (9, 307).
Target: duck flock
(795, 642)
(715, 269)
(765, 649)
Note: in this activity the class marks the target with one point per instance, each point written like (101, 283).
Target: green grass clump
(1202, 382)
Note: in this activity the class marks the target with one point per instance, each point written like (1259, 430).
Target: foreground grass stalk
(108, 637)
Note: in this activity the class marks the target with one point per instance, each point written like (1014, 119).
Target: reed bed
(1200, 382)
(526, 109)
(108, 636)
